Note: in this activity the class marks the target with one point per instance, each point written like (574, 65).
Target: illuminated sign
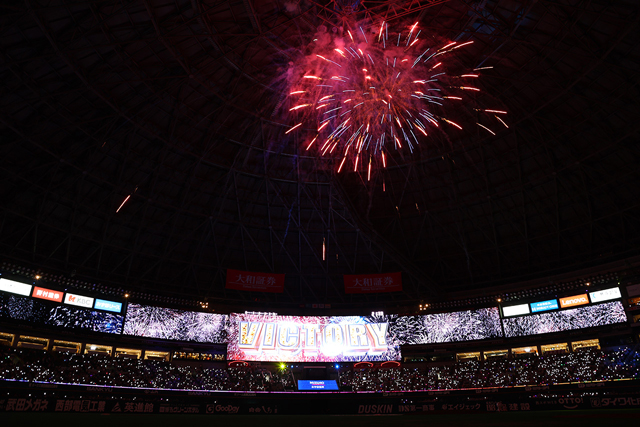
(79, 300)
(633, 290)
(47, 294)
(605, 295)
(551, 304)
(15, 287)
(515, 310)
(372, 283)
(102, 304)
(253, 281)
(317, 385)
(574, 300)
(305, 338)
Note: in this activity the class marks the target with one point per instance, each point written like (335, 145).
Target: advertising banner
(605, 295)
(372, 283)
(317, 385)
(257, 282)
(15, 287)
(79, 300)
(273, 338)
(551, 304)
(47, 294)
(574, 300)
(632, 290)
(515, 310)
(113, 306)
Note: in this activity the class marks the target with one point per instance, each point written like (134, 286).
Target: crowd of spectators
(95, 369)
(581, 366)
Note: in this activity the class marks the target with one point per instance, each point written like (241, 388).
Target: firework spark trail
(380, 85)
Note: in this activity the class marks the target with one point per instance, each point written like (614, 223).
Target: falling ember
(486, 128)
(125, 201)
(460, 45)
(501, 121)
(342, 163)
(452, 123)
(296, 126)
(297, 107)
(324, 249)
(374, 93)
(311, 143)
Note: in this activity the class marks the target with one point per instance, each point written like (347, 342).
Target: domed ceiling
(145, 147)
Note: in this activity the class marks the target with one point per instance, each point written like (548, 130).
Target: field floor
(580, 418)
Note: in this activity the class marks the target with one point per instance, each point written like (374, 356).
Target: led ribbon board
(565, 320)
(310, 339)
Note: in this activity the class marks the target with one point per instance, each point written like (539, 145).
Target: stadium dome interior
(144, 151)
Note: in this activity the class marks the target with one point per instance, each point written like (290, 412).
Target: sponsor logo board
(605, 295)
(515, 310)
(574, 300)
(47, 294)
(101, 304)
(252, 281)
(551, 304)
(15, 287)
(79, 300)
(372, 283)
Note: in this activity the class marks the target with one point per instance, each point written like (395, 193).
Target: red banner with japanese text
(257, 282)
(372, 283)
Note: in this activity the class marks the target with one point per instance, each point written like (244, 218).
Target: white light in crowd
(93, 347)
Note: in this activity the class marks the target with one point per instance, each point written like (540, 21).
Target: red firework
(366, 95)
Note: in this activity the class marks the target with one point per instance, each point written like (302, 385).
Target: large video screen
(171, 324)
(467, 325)
(276, 338)
(52, 314)
(565, 320)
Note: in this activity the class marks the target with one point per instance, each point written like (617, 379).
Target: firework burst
(366, 97)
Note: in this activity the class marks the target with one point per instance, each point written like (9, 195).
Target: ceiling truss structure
(173, 107)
